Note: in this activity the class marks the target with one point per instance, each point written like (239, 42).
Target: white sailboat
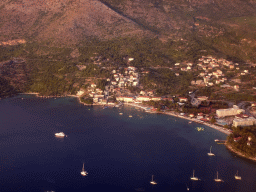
(152, 181)
(237, 177)
(83, 172)
(194, 178)
(217, 179)
(210, 154)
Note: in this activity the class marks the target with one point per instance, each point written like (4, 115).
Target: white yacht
(60, 134)
(237, 177)
(217, 179)
(210, 154)
(194, 178)
(83, 172)
(152, 181)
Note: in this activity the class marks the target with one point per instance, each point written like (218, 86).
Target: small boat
(190, 122)
(217, 179)
(210, 154)
(200, 129)
(130, 115)
(237, 177)
(120, 113)
(216, 140)
(187, 188)
(83, 172)
(60, 134)
(194, 178)
(152, 181)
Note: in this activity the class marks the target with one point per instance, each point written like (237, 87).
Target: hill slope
(71, 21)
(68, 21)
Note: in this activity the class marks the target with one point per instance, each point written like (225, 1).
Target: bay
(120, 153)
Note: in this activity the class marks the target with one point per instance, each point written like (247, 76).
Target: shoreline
(231, 149)
(183, 117)
(146, 108)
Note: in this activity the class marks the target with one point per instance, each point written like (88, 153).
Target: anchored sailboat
(194, 178)
(237, 177)
(83, 172)
(210, 154)
(152, 181)
(217, 179)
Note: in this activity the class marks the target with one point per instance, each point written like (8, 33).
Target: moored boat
(193, 177)
(237, 177)
(60, 134)
(217, 179)
(83, 172)
(210, 154)
(152, 181)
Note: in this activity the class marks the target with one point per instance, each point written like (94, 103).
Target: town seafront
(144, 107)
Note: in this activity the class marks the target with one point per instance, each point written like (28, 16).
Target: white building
(229, 112)
(244, 121)
(143, 98)
(125, 99)
(156, 98)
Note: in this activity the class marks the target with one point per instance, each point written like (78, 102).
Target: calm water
(120, 153)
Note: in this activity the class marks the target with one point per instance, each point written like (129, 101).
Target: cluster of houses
(116, 86)
(129, 78)
(211, 74)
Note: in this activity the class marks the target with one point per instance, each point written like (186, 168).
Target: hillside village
(208, 72)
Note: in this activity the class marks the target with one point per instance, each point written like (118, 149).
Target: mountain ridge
(69, 22)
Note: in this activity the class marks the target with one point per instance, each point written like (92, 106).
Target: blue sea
(120, 153)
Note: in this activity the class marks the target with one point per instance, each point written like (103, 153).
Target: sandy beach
(221, 129)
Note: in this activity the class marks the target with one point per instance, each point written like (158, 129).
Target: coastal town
(128, 95)
(210, 73)
(221, 75)
(221, 93)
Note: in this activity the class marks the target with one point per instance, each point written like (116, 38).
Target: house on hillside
(183, 99)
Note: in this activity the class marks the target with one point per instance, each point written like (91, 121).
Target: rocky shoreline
(230, 148)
